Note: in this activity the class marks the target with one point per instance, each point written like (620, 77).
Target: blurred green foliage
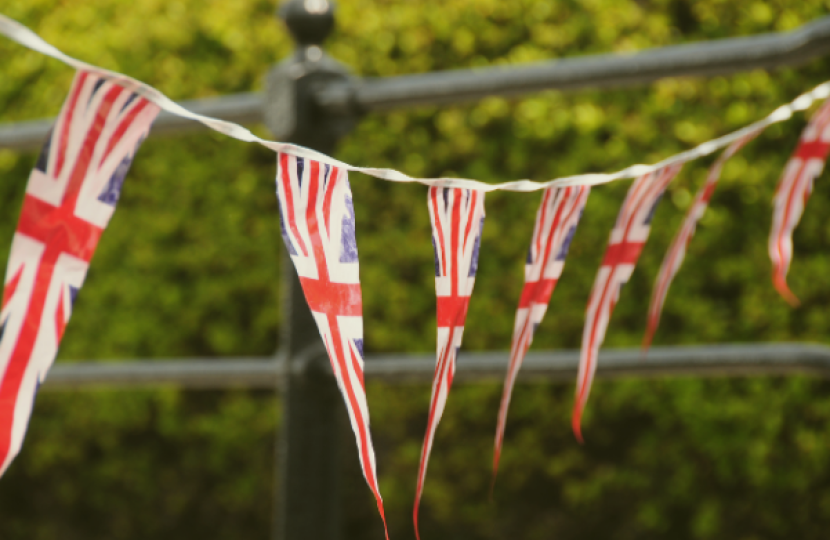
(189, 266)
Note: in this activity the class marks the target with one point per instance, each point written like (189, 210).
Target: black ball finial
(309, 21)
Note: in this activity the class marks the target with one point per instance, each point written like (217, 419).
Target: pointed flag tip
(646, 345)
(780, 283)
(415, 520)
(493, 478)
(383, 517)
(576, 425)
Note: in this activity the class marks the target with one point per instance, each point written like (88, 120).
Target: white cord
(24, 36)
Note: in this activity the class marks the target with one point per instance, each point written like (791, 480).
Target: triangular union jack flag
(677, 250)
(318, 227)
(69, 200)
(792, 193)
(556, 222)
(457, 217)
(628, 237)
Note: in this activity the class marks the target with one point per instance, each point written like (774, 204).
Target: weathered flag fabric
(627, 239)
(318, 227)
(677, 251)
(70, 197)
(556, 221)
(792, 193)
(457, 217)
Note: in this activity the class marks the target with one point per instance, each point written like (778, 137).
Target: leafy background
(189, 266)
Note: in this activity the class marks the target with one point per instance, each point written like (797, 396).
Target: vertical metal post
(307, 449)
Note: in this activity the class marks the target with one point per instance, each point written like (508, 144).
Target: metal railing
(312, 89)
(719, 57)
(252, 372)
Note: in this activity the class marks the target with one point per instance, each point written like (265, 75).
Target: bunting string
(26, 37)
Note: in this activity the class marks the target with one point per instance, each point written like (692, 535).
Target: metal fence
(311, 89)
(248, 372)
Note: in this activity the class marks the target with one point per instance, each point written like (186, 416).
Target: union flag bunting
(70, 197)
(457, 217)
(318, 227)
(677, 250)
(792, 193)
(556, 222)
(627, 239)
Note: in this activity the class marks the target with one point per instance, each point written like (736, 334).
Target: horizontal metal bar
(188, 373)
(719, 57)
(240, 108)
(701, 361)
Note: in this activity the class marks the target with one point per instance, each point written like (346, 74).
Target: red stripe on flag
(60, 318)
(451, 310)
(328, 297)
(19, 360)
(63, 139)
(59, 228)
(548, 193)
(331, 181)
(454, 253)
(623, 253)
(471, 209)
(536, 292)
(816, 149)
(123, 127)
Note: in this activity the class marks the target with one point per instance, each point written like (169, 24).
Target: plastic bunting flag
(556, 222)
(70, 197)
(677, 250)
(318, 227)
(628, 237)
(792, 193)
(457, 217)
